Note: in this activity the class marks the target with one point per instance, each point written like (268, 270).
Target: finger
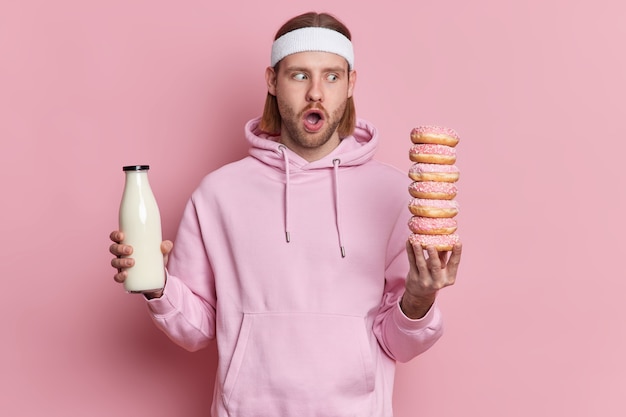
(120, 250)
(122, 263)
(434, 261)
(120, 276)
(443, 258)
(116, 236)
(116, 249)
(166, 247)
(455, 259)
(416, 258)
(410, 251)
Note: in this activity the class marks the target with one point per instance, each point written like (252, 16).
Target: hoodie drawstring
(283, 149)
(336, 163)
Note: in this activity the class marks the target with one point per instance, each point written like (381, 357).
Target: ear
(270, 80)
(351, 82)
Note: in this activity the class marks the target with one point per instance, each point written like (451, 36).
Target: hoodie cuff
(409, 325)
(163, 306)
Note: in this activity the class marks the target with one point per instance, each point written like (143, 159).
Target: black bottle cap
(136, 168)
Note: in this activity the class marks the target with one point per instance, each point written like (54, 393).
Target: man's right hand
(122, 262)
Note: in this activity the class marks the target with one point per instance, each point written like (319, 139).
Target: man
(295, 258)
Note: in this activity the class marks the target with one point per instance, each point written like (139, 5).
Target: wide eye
(300, 76)
(332, 77)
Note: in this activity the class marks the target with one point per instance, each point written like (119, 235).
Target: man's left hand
(427, 275)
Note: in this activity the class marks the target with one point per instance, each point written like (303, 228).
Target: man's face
(311, 89)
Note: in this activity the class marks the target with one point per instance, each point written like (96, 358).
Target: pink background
(536, 322)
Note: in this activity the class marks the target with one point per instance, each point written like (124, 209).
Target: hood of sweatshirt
(353, 150)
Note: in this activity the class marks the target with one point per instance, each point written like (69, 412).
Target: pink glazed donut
(425, 207)
(432, 225)
(432, 153)
(440, 242)
(435, 134)
(433, 190)
(434, 172)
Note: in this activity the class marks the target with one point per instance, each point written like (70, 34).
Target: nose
(314, 94)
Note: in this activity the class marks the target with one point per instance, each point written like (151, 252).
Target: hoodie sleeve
(400, 337)
(186, 311)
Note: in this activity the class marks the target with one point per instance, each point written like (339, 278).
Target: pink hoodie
(301, 330)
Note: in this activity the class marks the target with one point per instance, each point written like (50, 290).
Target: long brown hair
(271, 120)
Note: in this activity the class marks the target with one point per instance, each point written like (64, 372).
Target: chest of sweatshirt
(241, 212)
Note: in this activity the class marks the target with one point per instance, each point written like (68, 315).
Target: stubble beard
(291, 122)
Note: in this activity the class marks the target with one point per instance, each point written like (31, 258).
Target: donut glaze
(434, 172)
(432, 153)
(440, 242)
(433, 190)
(435, 134)
(432, 226)
(433, 208)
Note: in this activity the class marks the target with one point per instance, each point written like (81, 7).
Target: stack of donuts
(434, 188)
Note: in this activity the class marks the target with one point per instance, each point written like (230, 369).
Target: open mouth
(313, 120)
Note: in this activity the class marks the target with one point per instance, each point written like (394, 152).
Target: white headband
(312, 39)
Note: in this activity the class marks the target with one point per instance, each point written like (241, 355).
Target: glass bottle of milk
(140, 221)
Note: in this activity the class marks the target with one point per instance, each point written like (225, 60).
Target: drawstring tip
(287, 237)
(343, 252)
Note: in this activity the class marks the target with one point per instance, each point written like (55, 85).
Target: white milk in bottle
(140, 221)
